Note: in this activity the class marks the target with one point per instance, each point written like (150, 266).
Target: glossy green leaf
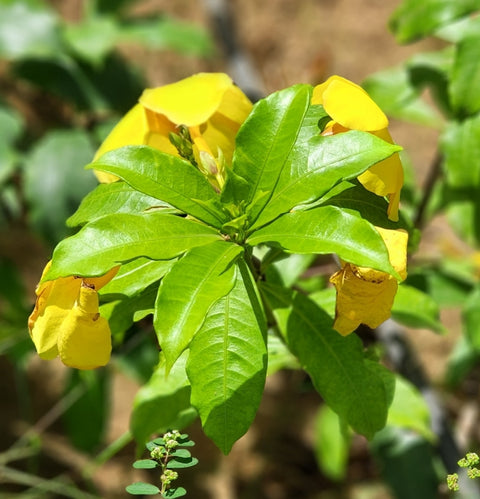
(327, 229)
(28, 28)
(193, 285)
(266, 140)
(164, 177)
(137, 275)
(355, 198)
(331, 159)
(414, 19)
(393, 91)
(102, 244)
(141, 488)
(459, 143)
(331, 444)
(409, 410)
(55, 181)
(416, 309)
(108, 199)
(227, 364)
(465, 78)
(162, 403)
(347, 383)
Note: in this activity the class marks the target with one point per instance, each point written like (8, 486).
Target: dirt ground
(287, 42)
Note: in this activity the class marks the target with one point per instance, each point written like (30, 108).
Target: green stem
(428, 189)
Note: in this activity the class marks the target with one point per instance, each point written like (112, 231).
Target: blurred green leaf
(93, 38)
(167, 33)
(174, 493)
(461, 361)
(331, 444)
(145, 464)
(28, 28)
(279, 356)
(11, 124)
(409, 410)
(86, 419)
(416, 309)
(178, 462)
(55, 181)
(471, 318)
(458, 30)
(465, 78)
(415, 19)
(393, 91)
(406, 462)
(163, 402)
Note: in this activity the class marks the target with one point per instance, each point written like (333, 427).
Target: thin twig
(434, 173)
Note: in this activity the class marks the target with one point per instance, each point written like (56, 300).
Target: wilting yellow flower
(208, 104)
(66, 322)
(364, 295)
(351, 108)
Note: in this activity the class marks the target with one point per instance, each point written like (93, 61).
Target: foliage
(168, 454)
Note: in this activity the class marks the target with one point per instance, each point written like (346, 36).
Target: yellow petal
(85, 339)
(54, 301)
(396, 242)
(360, 301)
(348, 104)
(385, 178)
(98, 282)
(190, 101)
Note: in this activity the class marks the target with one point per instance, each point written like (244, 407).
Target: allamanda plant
(209, 211)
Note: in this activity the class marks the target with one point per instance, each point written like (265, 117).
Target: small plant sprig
(166, 453)
(469, 461)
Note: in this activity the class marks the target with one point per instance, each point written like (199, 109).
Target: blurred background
(68, 70)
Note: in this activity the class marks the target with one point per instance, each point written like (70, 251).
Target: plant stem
(428, 189)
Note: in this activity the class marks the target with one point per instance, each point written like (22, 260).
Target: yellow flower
(66, 322)
(364, 295)
(351, 108)
(208, 104)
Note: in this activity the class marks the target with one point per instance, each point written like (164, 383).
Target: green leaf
(459, 143)
(265, 141)
(465, 76)
(471, 318)
(331, 159)
(28, 28)
(187, 292)
(393, 91)
(93, 38)
(416, 309)
(164, 177)
(162, 403)
(104, 243)
(108, 199)
(178, 462)
(331, 444)
(141, 488)
(11, 124)
(55, 181)
(85, 420)
(414, 19)
(145, 464)
(173, 493)
(227, 364)
(409, 410)
(133, 277)
(183, 453)
(279, 356)
(167, 33)
(327, 229)
(347, 383)
(366, 204)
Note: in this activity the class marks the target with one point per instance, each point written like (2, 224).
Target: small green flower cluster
(469, 461)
